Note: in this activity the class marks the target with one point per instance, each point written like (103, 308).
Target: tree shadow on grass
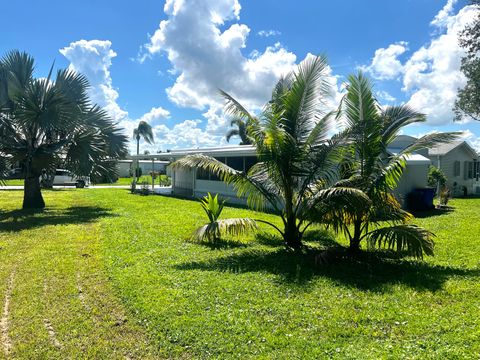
(223, 244)
(17, 220)
(370, 271)
(434, 212)
(321, 237)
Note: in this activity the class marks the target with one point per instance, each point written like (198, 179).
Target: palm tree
(296, 159)
(143, 130)
(240, 131)
(370, 167)
(46, 121)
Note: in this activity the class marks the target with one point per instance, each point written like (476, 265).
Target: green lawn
(13, 182)
(119, 182)
(107, 274)
(144, 178)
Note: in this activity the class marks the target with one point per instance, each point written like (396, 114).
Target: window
(249, 162)
(202, 174)
(235, 162)
(471, 169)
(456, 168)
(207, 175)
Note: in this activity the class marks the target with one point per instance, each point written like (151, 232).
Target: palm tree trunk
(138, 153)
(32, 194)
(291, 235)
(355, 240)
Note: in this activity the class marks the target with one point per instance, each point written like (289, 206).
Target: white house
(460, 164)
(196, 182)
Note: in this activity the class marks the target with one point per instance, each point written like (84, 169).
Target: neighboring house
(196, 183)
(460, 164)
(126, 167)
(415, 175)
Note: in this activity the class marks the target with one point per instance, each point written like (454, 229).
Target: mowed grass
(155, 293)
(60, 301)
(125, 181)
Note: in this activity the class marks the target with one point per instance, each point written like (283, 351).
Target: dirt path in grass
(49, 327)
(4, 322)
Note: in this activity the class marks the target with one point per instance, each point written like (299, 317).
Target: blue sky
(163, 61)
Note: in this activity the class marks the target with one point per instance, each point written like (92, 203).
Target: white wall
(202, 187)
(414, 176)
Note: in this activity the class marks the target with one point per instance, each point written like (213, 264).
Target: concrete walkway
(20, 187)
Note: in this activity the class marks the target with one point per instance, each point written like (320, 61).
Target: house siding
(447, 164)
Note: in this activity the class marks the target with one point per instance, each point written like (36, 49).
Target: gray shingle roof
(446, 148)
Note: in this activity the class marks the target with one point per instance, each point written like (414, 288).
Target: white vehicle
(65, 178)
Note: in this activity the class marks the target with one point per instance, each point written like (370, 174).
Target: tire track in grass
(4, 322)
(81, 294)
(49, 327)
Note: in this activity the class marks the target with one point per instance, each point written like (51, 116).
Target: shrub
(215, 228)
(436, 177)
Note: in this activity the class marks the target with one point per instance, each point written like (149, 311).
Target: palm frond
(19, 67)
(223, 171)
(144, 130)
(414, 240)
(234, 108)
(231, 227)
(231, 133)
(309, 90)
(394, 118)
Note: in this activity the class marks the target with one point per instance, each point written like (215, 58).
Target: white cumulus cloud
(444, 16)
(204, 42)
(432, 75)
(385, 96)
(385, 64)
(155, 114)
(186, 134)
(93, 59)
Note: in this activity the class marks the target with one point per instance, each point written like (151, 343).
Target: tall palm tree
(47, 121)
(240, 131)
(297, 160)
(370, 167)
(143, 130)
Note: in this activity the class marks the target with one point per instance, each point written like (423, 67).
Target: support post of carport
(153, 174)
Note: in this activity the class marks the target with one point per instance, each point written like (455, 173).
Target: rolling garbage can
(421, 199)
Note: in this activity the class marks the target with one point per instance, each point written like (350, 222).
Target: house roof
(236, 150)
(142, 160)
(444, 149)
(412, 159)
